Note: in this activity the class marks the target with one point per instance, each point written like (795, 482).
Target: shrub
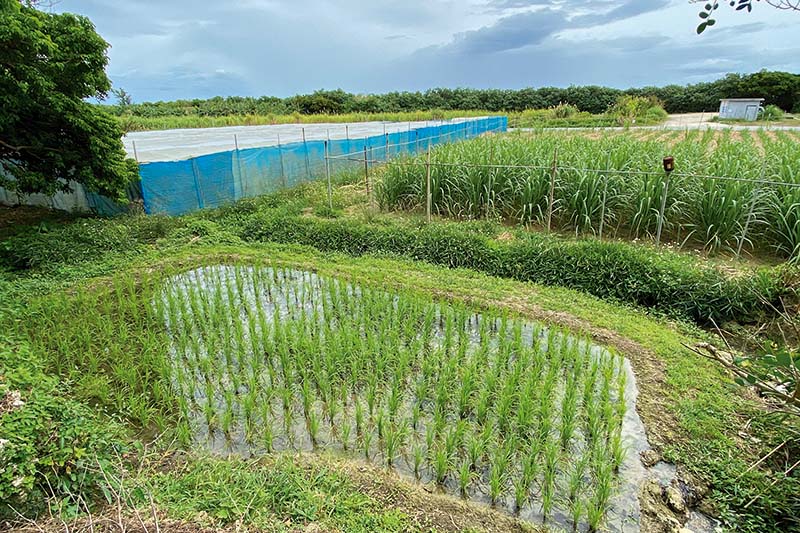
(563, 110)
(51, 446)
(632, 109)
(771, 113)
(660, 280)
(69, 244)
(201, 230)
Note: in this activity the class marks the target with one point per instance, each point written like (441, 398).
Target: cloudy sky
(168, 49)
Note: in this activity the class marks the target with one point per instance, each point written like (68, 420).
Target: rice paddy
(613, 185)
(481, 404)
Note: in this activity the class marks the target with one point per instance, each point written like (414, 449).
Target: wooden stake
(662, 209)
(552, 190)
(428, 181)
(328, 176)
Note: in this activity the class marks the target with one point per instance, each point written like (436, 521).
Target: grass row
(661, 280)
(665, 281)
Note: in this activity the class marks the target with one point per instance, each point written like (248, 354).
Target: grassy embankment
(111, 361)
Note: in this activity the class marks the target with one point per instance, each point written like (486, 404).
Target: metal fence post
(328, 176)
(308, 163)
(239, 168)
(280, 156)
(197, 188)
(387, 145)
(428, 196)
(366, 170)
(662, 208)
(551, 198)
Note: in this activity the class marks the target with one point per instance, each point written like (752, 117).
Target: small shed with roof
(740, 108)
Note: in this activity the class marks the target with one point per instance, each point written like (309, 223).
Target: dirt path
(690, 120)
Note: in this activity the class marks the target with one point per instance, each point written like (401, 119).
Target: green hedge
(668, 282)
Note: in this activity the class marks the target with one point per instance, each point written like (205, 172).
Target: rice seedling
(344, 433)
(476, 449)
(597, 506)
(465, 478)
(575, 486)
(366, 443)
(418, 454)
(459, 395)
(440, 463)
(497, 480)
(551, 454)
(395, 440)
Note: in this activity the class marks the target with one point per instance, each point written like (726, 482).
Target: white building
(740, 108)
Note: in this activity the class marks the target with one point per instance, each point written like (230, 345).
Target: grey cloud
(533, 27)
(164, 49)
(586, 11)
(509, 33)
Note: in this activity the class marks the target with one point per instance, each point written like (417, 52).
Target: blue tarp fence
(177, 187)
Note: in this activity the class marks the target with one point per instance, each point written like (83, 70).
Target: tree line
(778, 88)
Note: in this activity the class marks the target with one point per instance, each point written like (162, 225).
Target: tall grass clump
(614, 185)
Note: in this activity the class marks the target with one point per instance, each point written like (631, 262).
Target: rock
(649, 457)
(656, 515)
(674, 497)
(11, 401)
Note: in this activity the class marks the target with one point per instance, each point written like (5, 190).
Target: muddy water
(291, 430)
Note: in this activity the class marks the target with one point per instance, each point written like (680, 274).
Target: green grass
(138, 123)
(702, 402)
(112, 358)
(534, 118)
(275, 494)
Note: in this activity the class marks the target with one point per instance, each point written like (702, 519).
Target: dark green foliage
(637, 275)
(74, 243)
(53, 446)
(49, 135)
(779, 88)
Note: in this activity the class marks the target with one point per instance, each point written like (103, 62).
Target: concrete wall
(740, 109)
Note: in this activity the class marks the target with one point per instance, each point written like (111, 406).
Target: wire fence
(212, 180)
(667, 177)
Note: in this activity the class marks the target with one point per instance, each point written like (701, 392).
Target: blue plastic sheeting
(177, 187)
(104, 206)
